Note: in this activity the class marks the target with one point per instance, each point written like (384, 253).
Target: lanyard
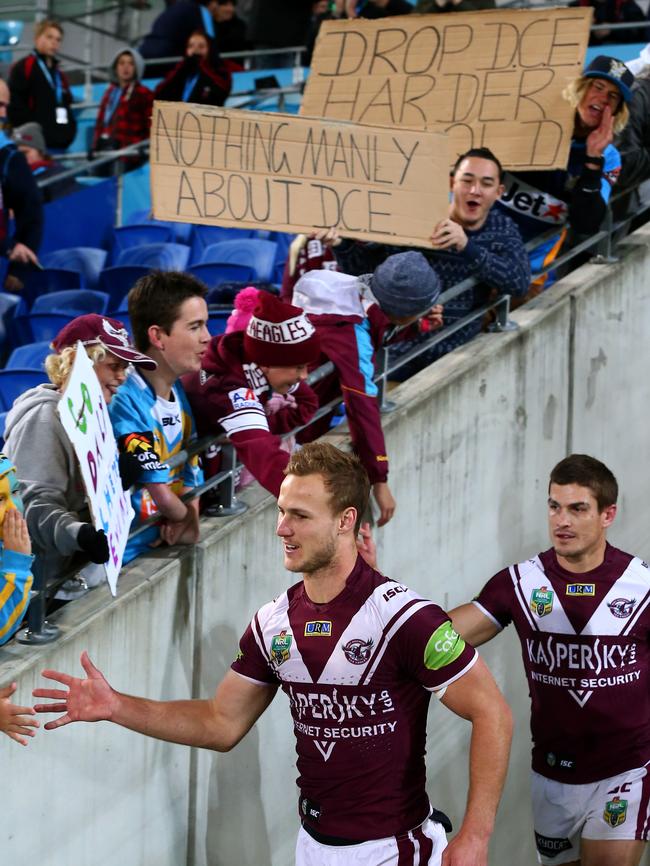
(189, 86)
(111, 105)
(53, 78)
(208, 22)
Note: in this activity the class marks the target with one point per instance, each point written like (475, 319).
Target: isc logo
(395, 590)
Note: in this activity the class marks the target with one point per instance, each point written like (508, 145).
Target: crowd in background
(340, 300)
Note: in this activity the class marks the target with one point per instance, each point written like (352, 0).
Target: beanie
(280, 335)
(405, 285)
(245, 302)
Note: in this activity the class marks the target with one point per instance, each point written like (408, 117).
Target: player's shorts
(422, 846)
(614, 808)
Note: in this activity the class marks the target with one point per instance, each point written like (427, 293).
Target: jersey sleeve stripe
(256, 682)
(487, 613)
(240, 421)
(258, 635)
(390, 628)
(470, 664)
(516, 579)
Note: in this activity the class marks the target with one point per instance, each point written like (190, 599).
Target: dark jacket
(212, 85)
(634, 142)
(21, 195)
(394, 7)
(615, 12)
(171, 30)
(430, 6)
(34, 98)
(281, 23)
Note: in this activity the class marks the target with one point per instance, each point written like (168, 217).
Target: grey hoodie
(52, 487)
(137, 59)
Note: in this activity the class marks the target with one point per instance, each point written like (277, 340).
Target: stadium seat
(8, 304)
(50, 280)
(213, 274)
(116, 282)
(205, 236)
(76, 302)
(13, 383)
(166, 257)
(88, 261)
(30, 356)
(3, 418)
(42, 327)
(129, 236)
(255, 253)
(217, 320)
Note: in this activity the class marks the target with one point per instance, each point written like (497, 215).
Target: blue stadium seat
(116, 282)
(166, 257)
(89, 261)
(182, 232)
(255, 253)
(76, 301)
(50, 280)
(129, 236)
(217, 320)
(205, 236)
(31, 356)
(13, 383)
(8, 304)
(3, 418)
(40, 327)
(215, 274)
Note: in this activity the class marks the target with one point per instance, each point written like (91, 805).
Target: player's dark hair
(344, 476)
(156, 299)
(480, 153)
(587, 472)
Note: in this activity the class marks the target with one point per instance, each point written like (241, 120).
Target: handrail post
(604, 253)
(385, 406)
(503, 322)
(38, 630)
(227, 503)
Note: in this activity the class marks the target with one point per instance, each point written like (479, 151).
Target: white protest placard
(85, 419)
(256, 169)
(492, 78)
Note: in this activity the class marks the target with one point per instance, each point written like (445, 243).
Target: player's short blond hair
(59, 365)
(576, 89)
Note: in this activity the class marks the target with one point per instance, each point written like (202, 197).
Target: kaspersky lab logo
(541, 601)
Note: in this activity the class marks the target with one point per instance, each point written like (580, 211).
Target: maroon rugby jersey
(358, 672)
(584, 640)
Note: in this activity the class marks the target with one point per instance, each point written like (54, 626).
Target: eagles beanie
(280, 335)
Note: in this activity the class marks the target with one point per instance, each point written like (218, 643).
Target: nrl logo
(621, 607)
(541, 601)
(280, 647)
(617, 69)
(615, 812)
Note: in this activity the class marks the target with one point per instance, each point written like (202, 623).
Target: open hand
(447, 235)
(16, 722)
(602, 135)
(15, 535)
(89, 700)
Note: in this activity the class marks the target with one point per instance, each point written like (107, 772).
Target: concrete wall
(471, 444)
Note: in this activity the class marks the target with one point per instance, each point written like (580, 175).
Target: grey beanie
(30, 135)
(405, 285)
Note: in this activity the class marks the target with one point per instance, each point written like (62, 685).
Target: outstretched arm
(476, 697)
(218, 723)
(472, 624)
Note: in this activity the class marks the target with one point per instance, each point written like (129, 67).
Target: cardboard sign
(490, 79)
(84, 416)
(296, 174)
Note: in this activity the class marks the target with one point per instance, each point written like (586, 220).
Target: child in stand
(15, 585)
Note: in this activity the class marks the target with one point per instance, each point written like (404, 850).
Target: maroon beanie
(280, 335)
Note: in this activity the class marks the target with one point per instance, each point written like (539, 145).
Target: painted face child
(9, 491)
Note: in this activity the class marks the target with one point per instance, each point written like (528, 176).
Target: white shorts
(614, 808)
(420, 847)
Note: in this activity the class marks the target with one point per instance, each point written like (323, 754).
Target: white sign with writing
(84, 415)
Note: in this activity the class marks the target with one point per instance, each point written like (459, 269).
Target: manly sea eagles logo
(621, 607)
(358, 651)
